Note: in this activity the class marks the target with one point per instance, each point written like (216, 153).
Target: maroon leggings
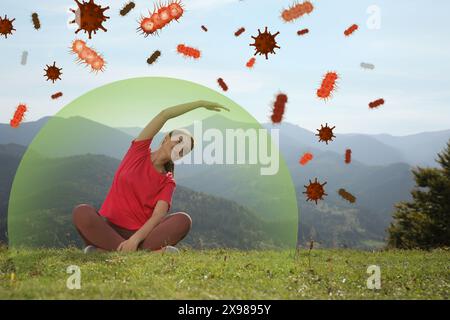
(102, 233)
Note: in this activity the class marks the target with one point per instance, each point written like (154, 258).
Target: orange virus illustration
(6, 26)
(53, 73)
(315, 191)
(188, 51)
(279, 107)
(250, 63)
(296, 11)
(162, 15)
(89, 17)
(18, 116)
(328, 86)
(347, 195)
(222, 84)
(265, 43)
(376, 103)
(57, 95)
(348, 156)
(239, 32)
(88, 56)
(302, 32)
(307, 157)
(350, 30)
(325, 133)
(36, 21)
(155, 55)
(127, 8)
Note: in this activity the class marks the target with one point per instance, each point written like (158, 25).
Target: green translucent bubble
(73, 159)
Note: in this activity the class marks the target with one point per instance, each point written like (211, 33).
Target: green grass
(225, 274)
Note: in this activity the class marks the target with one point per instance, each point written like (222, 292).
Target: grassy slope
(225, 274)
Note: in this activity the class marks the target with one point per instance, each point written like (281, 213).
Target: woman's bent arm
(161, 209)
(158, 122)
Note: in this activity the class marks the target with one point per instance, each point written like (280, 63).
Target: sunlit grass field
(224, 274)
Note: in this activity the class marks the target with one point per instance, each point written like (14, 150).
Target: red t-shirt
(136, 188)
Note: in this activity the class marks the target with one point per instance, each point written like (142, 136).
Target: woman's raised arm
(153, 127)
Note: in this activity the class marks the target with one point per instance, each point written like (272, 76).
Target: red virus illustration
(350, 30)
(18, 116)
(315, 191)
(6, 26)
(188, 51)
(302, 32)
(296, 11)
(57, 95)
(325, 133)
(162, 15)
(88, 56)
(239, 32)
(348, 156)
(155, 55)
(204, 29)
(222, 84)
(265, 43)
(279, 107)
(347, 195)
(328, 85)
(127, 8)
(376, 103)
(89, 17)
(36, 21)
(53, 73)
(307, 157)
(251, 62)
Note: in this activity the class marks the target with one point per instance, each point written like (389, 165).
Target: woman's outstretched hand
(213, 106)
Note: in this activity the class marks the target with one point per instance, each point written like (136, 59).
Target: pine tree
(425, 222)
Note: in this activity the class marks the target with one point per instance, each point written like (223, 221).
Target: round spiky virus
(315, 191)
(6, 26)
(52, 72)
(90, 17)
(325, 133)
(265, 43)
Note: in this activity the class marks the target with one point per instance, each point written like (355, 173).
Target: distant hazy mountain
(23, 134)
(384, 149)
(131, 131)
(418, 149)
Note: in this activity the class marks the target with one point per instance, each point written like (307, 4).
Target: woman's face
(177, 145)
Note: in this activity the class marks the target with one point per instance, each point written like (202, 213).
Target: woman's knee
(82, 215)
(186, 220)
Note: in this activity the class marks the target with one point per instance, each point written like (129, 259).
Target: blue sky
(411, 52)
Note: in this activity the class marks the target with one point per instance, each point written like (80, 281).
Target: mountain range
(379, 175)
